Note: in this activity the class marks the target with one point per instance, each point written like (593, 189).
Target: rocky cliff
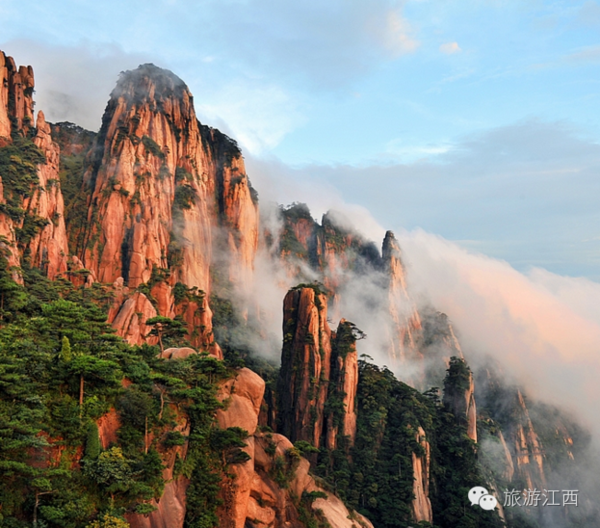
(330, 248)
(319, 373)
(523, 448)
(459, 395)
(304, 380)
(16, 97)
(421, 467)
(340, 257)
(156, 212)
(32, 223)
(168, 199)
(162, 206)
(48, 249)
(268, 489)
(340, 426)
(159, 186)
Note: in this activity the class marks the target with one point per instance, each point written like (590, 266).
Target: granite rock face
(49, 248)
(249, 492)
(306, 365)
(252, 496)
(32, 215)
(16, 96)
(168, 198)
(421, 465)
(317, 366)
(406, 328)
(160, 184)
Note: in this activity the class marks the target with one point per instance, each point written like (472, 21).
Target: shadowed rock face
(328, 248)
(523, 448)
(459, 396)
(319, 373)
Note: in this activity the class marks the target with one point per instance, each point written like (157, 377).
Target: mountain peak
(149, 82)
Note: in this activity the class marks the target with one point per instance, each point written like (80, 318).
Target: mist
(543, 328)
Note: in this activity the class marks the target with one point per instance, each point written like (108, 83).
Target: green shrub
(153, 147)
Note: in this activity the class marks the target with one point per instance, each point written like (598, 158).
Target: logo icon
(480, 496)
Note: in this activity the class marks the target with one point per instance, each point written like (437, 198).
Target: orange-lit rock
(49, 248)
(243, 395)
(253, 495)
(317, 365)
(16, 87)
(178, 353)
(129, 321)
(108, 425)
(305, 365)
(528, 450)
(170, 512)
(169, 197)
(344, 383)
(421, 505)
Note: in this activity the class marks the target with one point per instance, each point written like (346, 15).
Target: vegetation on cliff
(377, 478)
(61, 371)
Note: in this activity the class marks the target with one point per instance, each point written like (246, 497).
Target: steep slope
(16, 97)
(32, 223)
(459, 395)
(318, 374)
(165, 193)
(157, 179)
(267, 486)
(48, 249)
(306, 364)
(341, 258)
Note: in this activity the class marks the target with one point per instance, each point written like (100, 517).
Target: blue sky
(477, 120)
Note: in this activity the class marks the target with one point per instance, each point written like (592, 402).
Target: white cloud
(450, 47)
(279, 183)
(589, 14)
(543, 328)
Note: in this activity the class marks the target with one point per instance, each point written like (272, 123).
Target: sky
(474, 120)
